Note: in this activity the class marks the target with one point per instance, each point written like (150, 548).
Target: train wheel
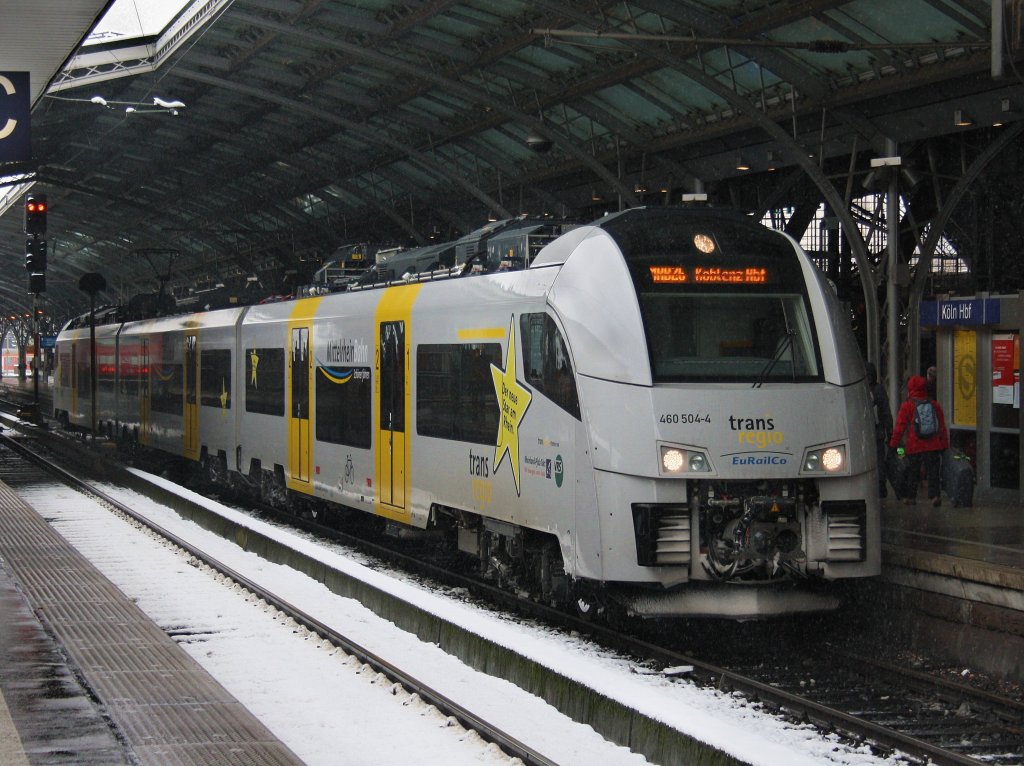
(217, 470)
(272, 489)
(586, 600)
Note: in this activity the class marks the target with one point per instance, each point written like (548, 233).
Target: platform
(989, 531)
(88, 679)
(953, 582)
(45, 713)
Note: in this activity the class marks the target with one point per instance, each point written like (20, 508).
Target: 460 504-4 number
(684, 417)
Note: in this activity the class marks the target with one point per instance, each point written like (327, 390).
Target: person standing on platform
(921, 420)
(931, 376)
(883, 428)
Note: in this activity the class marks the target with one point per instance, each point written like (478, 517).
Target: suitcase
(899, 476)
(958, 478)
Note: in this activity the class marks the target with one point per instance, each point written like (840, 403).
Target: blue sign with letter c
(15, 111)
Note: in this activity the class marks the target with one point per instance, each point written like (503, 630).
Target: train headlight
(672, 459)
(677, 460)
(699, 463)
(828, 460)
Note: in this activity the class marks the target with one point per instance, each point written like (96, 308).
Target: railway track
(891, 709)
(33, 466)
(863, 699)
(917, 713)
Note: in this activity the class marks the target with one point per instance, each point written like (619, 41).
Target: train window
(706, 337)
(106, 366)
(166, 386)
(300, 369)
(64, 367)
(134, 365)
(343, 399)
(264, 381)
(83, 378)
(191, 369)
(392, 376)
(167, 379)
(722, 298)
(215, 378)
(455, 396)
(546, 362)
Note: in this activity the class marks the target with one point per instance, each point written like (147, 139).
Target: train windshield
(722, 298)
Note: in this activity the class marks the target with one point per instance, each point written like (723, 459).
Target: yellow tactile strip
(167, 707)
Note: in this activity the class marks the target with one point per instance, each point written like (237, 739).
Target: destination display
(709, 275)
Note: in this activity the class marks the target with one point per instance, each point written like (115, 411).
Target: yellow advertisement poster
(965, 378)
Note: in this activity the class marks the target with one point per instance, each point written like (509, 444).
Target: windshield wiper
(784, 344)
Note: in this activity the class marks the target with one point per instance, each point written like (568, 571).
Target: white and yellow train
(666, 409)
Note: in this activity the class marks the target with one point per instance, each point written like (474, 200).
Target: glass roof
(387, 119)
(128, 19)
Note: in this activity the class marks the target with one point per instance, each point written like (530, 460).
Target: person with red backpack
(921, 419)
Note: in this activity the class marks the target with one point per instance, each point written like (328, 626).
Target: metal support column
(36, 359)
(894, 374)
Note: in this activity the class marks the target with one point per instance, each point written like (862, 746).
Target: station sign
(960, 311)
(15, 112)
(47, 341)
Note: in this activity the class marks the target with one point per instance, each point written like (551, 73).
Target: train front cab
(746, 440)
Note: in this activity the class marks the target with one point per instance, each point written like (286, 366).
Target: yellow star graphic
(513, 399)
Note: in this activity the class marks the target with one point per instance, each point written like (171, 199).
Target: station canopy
(249, 140)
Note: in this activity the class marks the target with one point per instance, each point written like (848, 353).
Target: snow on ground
(332, 710)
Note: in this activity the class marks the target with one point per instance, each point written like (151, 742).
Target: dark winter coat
(880, 403)
(917, 387)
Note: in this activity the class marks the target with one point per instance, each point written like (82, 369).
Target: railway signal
(35, 255)
(35, 214)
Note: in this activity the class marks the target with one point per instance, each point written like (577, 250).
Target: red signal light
(35, 214)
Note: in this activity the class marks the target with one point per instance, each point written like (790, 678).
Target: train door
(73, 373)
(191, 424)
(299, 396)
(391, 404)
(83, 382)
(300, 437)
(142, 375)
(394, 315)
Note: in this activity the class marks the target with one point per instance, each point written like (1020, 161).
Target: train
(9, 365)
(663, 411)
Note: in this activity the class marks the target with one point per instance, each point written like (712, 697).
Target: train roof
(643, 228)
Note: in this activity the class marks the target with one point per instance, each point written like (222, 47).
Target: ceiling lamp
(537, 141)
(1005, 113)
(641, 187)
(158, 106)
(961, 119)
